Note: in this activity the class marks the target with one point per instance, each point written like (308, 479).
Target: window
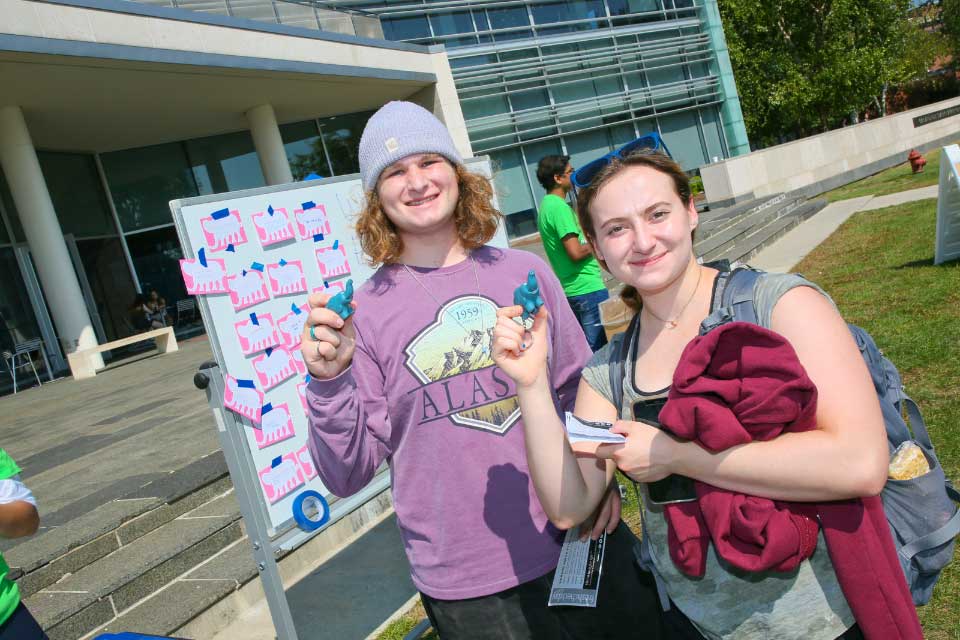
(223, 163)
(454, 22)
(682, 136)
(646, 8)
(513, 192)
(342, 137)
(156, 257)
(77, 194)
(11, 209)
(590, 11)
(506, 18)
(143, 181)
(405, 28)
(304, 147)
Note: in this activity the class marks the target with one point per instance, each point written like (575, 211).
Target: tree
(805, 65)
(950, 20)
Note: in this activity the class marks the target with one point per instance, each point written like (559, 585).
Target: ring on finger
(313, 336)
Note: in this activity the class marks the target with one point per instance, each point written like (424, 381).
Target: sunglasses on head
(583, 176)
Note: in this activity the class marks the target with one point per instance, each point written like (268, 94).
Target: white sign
(948, 206)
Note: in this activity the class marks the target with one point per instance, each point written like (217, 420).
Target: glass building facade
(577, 78)
(114, 211)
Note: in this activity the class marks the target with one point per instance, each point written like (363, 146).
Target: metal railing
(310, 14)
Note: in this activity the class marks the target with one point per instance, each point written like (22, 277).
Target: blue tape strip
(276, 462)
(336, 244)
(267, 408)
(231, 248)
(309, 204)
(269, 209)
(246, 384)
(220, 214)
(283, 262)
(269, 351)
(295, 308)
(202, 256)
(302, 519)
(254, 319)
(318, 237)
(257, 266)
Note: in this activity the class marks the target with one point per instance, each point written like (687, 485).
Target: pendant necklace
(483, 325)
(672, 324)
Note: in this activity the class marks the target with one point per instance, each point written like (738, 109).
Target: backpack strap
(619, 352)
(917, 425)
(733, 299)
(941, 536)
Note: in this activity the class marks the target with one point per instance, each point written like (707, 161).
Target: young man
(409, 378)
(567, 250)
(18, 518)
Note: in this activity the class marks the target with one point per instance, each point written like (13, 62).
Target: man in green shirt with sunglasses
(567, 250)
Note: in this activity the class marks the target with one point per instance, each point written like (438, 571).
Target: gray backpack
(921, 512)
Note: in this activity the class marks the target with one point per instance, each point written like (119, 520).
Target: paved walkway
(784, 254)
(84, 443)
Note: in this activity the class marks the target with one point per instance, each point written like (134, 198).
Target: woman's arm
(844, 457)
(569, 488)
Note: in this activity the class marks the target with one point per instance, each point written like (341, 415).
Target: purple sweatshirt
(424, 394)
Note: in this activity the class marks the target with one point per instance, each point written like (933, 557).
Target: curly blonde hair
(475, 217)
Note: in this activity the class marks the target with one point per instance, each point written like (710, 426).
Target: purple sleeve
(570, 351)
(349, 431)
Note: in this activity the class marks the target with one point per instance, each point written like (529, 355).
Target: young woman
(639, 216)
(409, 379)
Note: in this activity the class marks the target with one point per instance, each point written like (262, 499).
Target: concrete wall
(829, 160)
(179, 30)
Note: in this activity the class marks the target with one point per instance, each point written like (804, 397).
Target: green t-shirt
(557, 220)
(9, 591)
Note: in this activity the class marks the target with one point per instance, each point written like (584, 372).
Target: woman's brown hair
(475, 217)
(654, 160)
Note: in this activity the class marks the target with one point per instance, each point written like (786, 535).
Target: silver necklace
(483, 325)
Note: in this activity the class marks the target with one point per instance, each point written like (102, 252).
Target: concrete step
(183, 599)
(719, 240)
(715, 220)
(761, 237)
(94, 595)
(43, 560)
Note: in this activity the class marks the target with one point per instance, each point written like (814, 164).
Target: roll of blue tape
(304, 521)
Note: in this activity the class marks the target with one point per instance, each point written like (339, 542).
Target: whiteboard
(948, 206)
(251, 258)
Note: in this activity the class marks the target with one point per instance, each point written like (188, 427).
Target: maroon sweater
(742, 383)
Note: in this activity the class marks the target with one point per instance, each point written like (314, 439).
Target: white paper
(577, 431)
(576, 582)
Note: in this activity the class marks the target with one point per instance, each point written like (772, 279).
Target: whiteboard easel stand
(229, 429)
(265, 547)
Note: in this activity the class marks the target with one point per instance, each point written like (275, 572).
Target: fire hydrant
(917, 161)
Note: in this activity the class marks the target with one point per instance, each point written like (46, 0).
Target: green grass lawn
(892, 180)
(879, 269)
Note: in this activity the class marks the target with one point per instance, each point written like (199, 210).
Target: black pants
(21, 626)
(627, 606)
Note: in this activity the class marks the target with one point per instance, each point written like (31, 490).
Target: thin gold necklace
(476, 275)
(672, 324)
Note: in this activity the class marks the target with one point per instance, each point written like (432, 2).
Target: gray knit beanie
(397, 130)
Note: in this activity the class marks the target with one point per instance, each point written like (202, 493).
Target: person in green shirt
(567, 250)
(18, 518)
